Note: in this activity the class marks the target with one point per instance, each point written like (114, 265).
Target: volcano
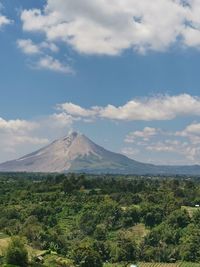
(77, 153)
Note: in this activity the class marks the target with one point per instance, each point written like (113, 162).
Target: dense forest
(82, 220)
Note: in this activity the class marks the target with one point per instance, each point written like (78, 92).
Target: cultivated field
(183, 264)
(144, 264)
(4, 240)
(190, 210)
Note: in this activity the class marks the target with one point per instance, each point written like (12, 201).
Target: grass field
(4, 241)
(138, 232)
(190, 210)
(187, 264)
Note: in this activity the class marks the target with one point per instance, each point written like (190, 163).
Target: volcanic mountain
(77, 153)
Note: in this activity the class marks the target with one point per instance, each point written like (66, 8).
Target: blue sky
(108, 70)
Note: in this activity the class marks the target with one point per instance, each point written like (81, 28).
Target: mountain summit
(77, 153)
(74, 152)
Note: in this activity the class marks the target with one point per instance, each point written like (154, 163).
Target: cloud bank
(181, 146)
(110, 27)
(146, 109)
(19, 137)
(184, 143)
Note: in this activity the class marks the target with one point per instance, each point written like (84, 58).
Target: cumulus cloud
(19, 140)
(129, 151)
(50, 46)
(29, 47)
(166, 144)
(187, 149)
(17, 125)
(60, 120)
(44, 61)
(193, 128)
(145, 134)
(77, 111)
(148, 109)
(50, 63)
(110, 27)
(4, 21)
(192, 132)
(18, 134)
(19, 137)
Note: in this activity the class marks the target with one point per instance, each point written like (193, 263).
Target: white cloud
(166, 146)
(23, 139)
(192, 132)
(178, 146)
(130, 152)
(28, 47)
(45, 61)
(145, 134)
(19, 137)
(51, 46)
(50, 63)
(192, 129)
(17, 125)
(110, 27)
(18, 134)
(4, 21)
(190, 151)
(31, 48)
(60, 120)
(77, 111)
(155, 108)
(148, 109)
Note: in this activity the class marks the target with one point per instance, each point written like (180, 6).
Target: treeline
(90, 220)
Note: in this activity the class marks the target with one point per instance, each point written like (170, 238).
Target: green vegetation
(111, 221)
(17, 254)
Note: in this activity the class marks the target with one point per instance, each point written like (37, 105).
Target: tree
(17, 254)
(68, 186)
(179, 219)
(100, 232)
(124, 249)
(86, 256)
(190, 244)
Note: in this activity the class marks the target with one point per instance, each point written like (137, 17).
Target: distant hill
(77, 153)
